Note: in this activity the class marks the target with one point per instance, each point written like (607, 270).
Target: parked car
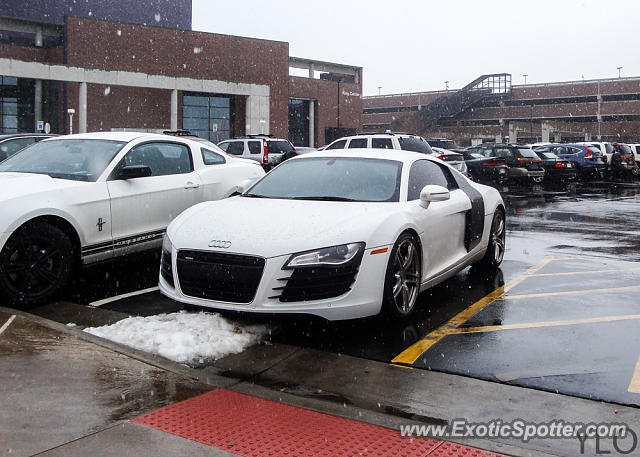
(10, 144)
(605, 148)
(635, 148)
(85, 198)
(587, 159)
(486, 170)
(264, 149)
(525, 167)
(556, 170)
(389, 140)
(339, 248)
(444, 143)
(299, 150)
(623, 163)
(455, 159)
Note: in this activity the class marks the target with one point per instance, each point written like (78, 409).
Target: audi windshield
(332, 179)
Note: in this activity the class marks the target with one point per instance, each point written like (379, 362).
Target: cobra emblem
(222, 244)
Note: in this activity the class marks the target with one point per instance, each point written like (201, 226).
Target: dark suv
(525, 167)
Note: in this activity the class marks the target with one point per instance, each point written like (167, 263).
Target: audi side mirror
(433, 193)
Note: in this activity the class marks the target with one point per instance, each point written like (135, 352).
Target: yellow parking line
(567, 273)
(634, 386)
(494, 328)
(571, 292)
(413, 352)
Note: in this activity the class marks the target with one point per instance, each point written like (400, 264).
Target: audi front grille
(219, 276)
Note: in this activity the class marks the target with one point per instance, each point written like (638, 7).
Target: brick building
(118, 72)
(565, 111)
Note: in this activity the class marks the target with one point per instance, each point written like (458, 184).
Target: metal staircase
(448, 106)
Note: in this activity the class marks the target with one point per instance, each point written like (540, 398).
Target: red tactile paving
(447, 449)
(251, 426)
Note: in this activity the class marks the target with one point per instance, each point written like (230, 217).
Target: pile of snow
(183, 337)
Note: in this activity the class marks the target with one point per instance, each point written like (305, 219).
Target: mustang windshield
(80, 160)
(332, 179)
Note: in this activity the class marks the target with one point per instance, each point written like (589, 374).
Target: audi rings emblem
(220, 244)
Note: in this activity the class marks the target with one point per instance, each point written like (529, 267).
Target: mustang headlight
(329, 257)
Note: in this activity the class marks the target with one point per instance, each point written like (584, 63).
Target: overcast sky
(409, 46)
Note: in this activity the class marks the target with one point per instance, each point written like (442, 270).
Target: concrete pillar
(312, 71)
(312, 116)
(557, 137)
(38, 40)
(513, 132)
(37, 103)
(174, 109)
(546, 132)
(257, 116)
(82, 108)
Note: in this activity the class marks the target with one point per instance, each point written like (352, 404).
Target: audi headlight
(166, 244)
(329, 257)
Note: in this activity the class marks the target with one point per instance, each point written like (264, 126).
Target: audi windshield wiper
(327, 198)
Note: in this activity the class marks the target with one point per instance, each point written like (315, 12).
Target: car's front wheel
(402, 281)
(36, 262)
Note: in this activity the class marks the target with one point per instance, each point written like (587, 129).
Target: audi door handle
(191, 185)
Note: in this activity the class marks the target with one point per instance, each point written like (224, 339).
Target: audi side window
(423, 173)
(452, 184)
(338, 145)
(211, 158)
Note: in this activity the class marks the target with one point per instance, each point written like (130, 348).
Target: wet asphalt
(571, 325)
(56, 388)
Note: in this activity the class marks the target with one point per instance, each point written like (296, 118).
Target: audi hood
(273, 227)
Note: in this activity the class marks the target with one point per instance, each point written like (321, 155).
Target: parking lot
(561, 315)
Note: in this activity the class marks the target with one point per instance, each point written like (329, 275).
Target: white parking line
(99, 303)
(7, 324)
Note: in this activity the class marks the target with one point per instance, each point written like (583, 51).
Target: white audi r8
(84, 198)
(339, 235)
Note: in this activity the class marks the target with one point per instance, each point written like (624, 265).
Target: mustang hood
(15, 185)
(272, 227)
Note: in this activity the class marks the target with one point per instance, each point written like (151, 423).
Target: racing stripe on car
(122, 242)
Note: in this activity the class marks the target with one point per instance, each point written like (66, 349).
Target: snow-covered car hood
(273, 227)
(16, 185)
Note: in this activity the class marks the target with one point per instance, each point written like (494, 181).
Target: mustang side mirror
(244, 186)
(433, 193)
(134, 171)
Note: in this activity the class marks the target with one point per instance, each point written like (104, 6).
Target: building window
(299, 116)
(207, 116)
(16, 104)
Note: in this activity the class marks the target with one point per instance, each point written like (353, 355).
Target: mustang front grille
(219, 276)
